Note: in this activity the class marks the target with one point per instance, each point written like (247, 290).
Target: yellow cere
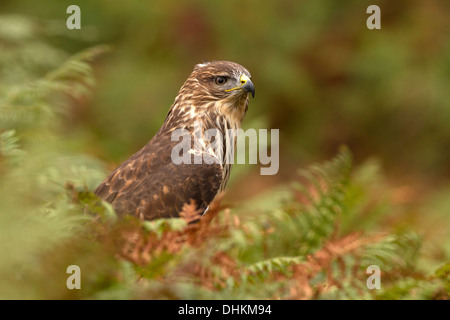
(243, 80)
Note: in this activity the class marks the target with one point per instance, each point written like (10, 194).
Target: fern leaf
(9, 144)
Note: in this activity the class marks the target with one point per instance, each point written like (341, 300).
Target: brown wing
(149, 185)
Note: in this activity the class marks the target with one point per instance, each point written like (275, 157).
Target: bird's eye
(220, 80)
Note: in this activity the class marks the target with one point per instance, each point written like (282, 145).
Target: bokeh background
(321, 76)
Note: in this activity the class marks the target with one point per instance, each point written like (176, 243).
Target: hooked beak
(247, 85)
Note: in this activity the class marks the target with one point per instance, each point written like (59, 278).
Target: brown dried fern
(322, 261)
(139, 246)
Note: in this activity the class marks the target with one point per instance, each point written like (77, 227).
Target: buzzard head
(224, 80)
(218, 88)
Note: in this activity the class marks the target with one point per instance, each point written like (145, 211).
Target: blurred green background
(321, 76)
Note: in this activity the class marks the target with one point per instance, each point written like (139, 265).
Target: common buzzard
(150, 184)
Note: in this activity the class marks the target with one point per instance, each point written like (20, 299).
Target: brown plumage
(149, 184)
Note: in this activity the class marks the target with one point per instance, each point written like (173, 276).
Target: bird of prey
(150, 185)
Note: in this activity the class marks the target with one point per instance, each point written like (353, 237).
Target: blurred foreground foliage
(312, 238)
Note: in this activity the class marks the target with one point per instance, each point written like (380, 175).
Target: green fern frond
(394, 252)
(263, 269)
(31, 103)
(159, 226)
(9, 145)
(75, 77)
(324, 191)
